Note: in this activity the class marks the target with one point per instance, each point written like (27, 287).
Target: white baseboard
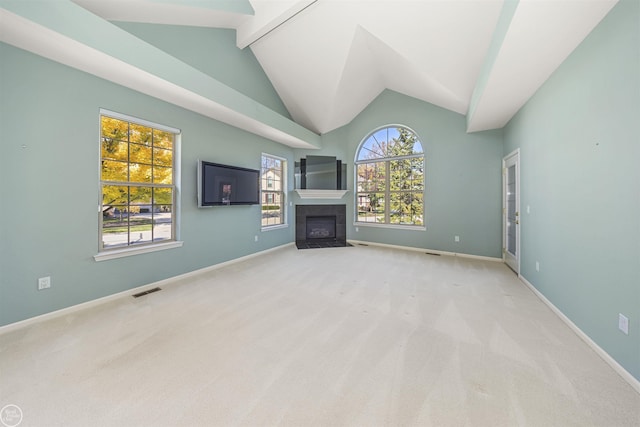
(633, 382)
(165, 282)
(423, 250)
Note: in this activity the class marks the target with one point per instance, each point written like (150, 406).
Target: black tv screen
(220, 185)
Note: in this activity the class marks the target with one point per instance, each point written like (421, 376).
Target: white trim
(177, 185)
(274, 227)
(106, 254)
(387, 162)
(321, 194)
(384, 159)
(127, 293)
(390, 125)
(425, 250)
(136, 120)
(283, 192)
(254, 29)
(393, 226)
(284, 159)
(515, 154)
(626, 375)
(132, 250)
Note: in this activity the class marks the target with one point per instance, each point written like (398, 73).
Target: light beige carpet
(358, 336)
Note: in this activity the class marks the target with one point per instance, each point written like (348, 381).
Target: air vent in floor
(150, 291)
(431, 253)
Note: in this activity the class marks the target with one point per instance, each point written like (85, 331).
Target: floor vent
(431, 253)
(150, 291)
(362, 244)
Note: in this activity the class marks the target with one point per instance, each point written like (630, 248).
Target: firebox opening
(321, 227)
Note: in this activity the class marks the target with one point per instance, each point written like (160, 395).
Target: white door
(511, 210)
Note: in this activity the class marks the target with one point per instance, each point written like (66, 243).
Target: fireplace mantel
(321, 194)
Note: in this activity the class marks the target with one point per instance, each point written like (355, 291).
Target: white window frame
(283, 191)
(112, 253)
(387, 161)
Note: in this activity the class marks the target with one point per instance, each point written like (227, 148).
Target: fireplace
(321, 226)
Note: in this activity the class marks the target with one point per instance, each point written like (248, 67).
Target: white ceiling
(328, 59)
(332, 59)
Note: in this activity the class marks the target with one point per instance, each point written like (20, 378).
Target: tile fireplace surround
(337, 211)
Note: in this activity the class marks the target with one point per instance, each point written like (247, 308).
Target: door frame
(512, 158)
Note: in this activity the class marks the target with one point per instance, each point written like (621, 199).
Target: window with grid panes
(272, 185)
(137, 183)
(390, 178)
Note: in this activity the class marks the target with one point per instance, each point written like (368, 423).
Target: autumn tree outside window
(137, 181)
(390, 179)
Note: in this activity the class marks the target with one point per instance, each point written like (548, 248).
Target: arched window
(389, 178)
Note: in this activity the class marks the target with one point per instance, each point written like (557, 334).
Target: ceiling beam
(64, 32)
(506, 16)
(522, 60)
(196, 13)
(253, 29)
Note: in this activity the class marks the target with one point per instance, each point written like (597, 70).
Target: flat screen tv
(220, 185)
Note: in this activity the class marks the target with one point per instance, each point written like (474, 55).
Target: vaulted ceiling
(328, 59)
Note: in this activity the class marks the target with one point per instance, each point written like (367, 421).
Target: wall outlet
(623, 323)
(537, 265)
(357, 229)
(44, 283)
(255, 238)
(456, 239)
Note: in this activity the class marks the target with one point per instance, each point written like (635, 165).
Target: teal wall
(579, 152)
(214, 52)
(463, 179)
(50, 192)
(580, 149)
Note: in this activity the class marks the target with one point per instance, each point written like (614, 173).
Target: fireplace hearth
(321, 226)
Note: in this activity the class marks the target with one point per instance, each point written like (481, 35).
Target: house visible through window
(390, 178)
(272, 183)
(137, 183)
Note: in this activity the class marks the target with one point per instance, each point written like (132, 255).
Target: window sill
(393, 226)
(120, 253)
(274, 227)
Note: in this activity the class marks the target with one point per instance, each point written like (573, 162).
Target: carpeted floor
(356, 336)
